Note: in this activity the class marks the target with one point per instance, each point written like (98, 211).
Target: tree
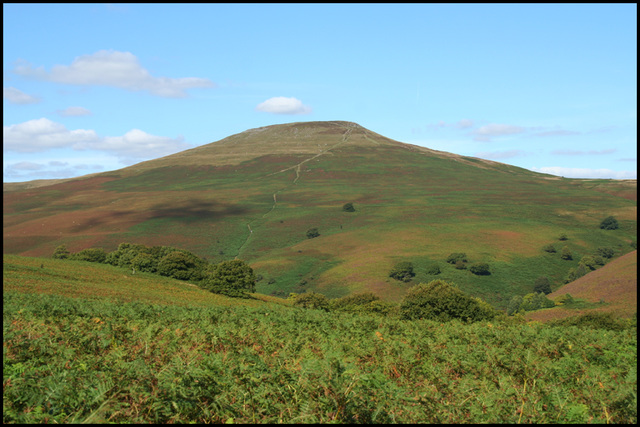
(348, 207)
(312, 232)
(402, 271)
(605, 252)
(181, 265)
(145, 262)
(549, 248)
(443, 301)
(609, 223)
(514, 305)
(543, 285)
(563, 236)
(480, 269)
(91, 255)
(231, 278)
(60, 252)
(566, 253)
(457, 256)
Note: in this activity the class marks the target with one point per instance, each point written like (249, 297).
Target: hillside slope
(254, 196)
(614, 287)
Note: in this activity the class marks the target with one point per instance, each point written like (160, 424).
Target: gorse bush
(312, 300)
(609, 223)
(231, 278)
(91, 255)
(457, 257)
(480, 269)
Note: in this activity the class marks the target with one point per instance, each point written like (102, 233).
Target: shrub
(589, 262)
(594, 320)
(543, 285)
(312, 300)
(460, 265)
(350, 301)
(535, 301)
(563, 299)
(566, 253)
(514, 305)
(91, 255)
(433, 269)
(609, 223)
(443, 301)
(480, 269)
(402, 271)
(60, 252)
(348, 207)
(563, 237)
(181, 265)
(145, 262)
(549, 248)
(457, 256)
(312, 232)
(231, 278)
(605, 252)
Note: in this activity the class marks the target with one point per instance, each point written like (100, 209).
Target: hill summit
(258, 194)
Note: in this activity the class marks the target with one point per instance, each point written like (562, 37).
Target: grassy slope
(80, 279)
(612, 288)
(254, 195)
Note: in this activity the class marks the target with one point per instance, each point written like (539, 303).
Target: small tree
(402, 271)
(231, 278)
(563, 237)
(514, 305)
(609, 223)
(348, 207)
(457, 256)
(60, 252)
(605, 252)
(542, 285)
(566, 253)
(480, 269)
(90, 255)
(181, 265)
(312, 232)
(549, 248)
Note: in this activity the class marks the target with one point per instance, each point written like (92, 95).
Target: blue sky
(95, 87)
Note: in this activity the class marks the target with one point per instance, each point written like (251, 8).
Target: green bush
(480, 269)
(402, 271)
(549, 248)
(312, 232)
(61, 252)
(563, 237)
(91, 255)
(535, 301)
(609, 223)
(514, 305)
(605, 252)
(231, 278)
(443, 301)
(348, 207)
(594, 320)
(181, 265)
(543, 285)
(145, 262)
(563, 299)
(457, 256)
(433, 269)
(350, 301)
(566, 253)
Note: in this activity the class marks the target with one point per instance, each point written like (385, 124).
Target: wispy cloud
(115, 69)
(43, 134)
(586, 173)
(487, 132)
(74, 112)
(283, 105)
(559, 132)
(26, 171)
(16, 96)
(584, 153)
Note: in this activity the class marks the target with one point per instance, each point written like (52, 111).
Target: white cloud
(74, 111)
(117, 69)
(583, 153)
(42, 134)
(485, 133)
(283, 105)
(136, 145)
(16, 96)
(586, 173)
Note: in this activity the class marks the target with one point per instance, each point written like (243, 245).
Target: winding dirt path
(297, 168)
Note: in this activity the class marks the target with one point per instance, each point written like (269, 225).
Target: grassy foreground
(100, 359)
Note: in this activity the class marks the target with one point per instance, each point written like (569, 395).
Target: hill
(612, 288)
(255, 195)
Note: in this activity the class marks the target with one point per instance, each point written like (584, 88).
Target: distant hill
(256, 194)
(614, 287)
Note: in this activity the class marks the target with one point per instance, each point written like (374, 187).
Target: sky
(97, 87)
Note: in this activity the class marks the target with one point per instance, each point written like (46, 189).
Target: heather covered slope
(255, 195)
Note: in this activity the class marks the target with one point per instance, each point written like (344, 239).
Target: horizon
(486, 81)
